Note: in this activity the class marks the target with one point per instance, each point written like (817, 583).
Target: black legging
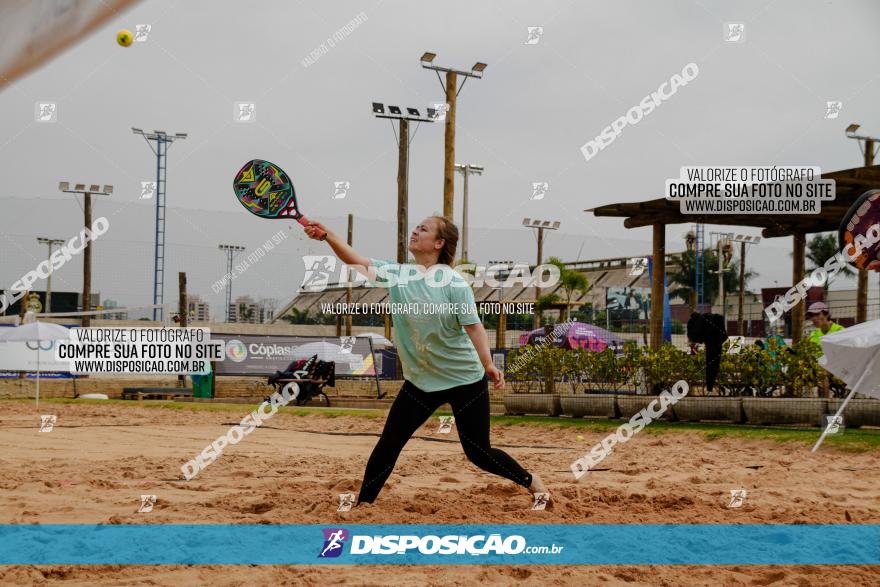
(412, 407)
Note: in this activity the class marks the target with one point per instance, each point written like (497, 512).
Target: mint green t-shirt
(435, 351)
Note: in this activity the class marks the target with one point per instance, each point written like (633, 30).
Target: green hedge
(789, 371)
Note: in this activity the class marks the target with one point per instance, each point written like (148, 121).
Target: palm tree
(684, 270)
(572, 282)
(820, 248)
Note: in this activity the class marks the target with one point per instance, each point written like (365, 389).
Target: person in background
(820, 315)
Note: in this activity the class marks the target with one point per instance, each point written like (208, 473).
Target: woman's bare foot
(538, 486)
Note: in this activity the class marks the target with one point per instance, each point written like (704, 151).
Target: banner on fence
(263, 355)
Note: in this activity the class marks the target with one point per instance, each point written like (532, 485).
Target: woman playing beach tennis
(445, 355)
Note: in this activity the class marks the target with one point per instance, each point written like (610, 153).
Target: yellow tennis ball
(579, 437)
(124, 38)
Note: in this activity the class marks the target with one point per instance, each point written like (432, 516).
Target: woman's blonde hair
(447, 231)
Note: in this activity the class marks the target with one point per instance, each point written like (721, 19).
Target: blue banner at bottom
(519, 544)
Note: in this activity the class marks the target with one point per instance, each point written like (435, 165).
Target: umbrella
(378, 339)
(36, 332)
(852, 355)
(576, 335)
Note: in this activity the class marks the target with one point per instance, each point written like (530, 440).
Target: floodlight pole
(402, 190)
(449, 149)
(51, 242)
(87, 262)
(466, 170)
(87, 249)
(402, 169)
(163, 141)
(743, 241)
(451, 89)
(230, 251)
(862, 278)
(540, 225)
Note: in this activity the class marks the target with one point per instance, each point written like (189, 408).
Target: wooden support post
(87, 262)
(182, 312)
(742, 289)
(862, 296)
(862, 282)
(536, 323)
(348, 289)
(658, 261)
(449, 151)
(799, 240)
(22, 308)
(501, 330)
(403, 192)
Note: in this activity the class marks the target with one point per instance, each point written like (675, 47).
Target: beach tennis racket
(265, 190)
(863, 214)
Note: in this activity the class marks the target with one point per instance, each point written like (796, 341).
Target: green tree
(683, 271)
(571, 282)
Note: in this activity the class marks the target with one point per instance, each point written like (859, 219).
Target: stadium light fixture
(381, 110)
(541, 225)
(93, 190)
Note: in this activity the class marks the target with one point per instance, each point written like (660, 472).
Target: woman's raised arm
(342, 249)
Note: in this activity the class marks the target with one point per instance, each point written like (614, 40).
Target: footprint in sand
(258, 508)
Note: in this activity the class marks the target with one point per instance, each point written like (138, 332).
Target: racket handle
(322, 234)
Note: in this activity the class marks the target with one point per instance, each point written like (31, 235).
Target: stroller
(312, 375)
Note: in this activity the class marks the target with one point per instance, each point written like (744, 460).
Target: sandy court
(98, 460)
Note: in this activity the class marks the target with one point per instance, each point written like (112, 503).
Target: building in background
(197, 309)
(246, 311)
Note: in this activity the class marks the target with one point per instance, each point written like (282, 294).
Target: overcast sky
(758, 102)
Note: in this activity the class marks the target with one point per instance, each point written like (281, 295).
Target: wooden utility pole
(742, 287)
(501, 331)
(402, 191)
(87, 262)
(449, 158)
(466, 170)
(22, 309)
(464, 215)
(658, 270)
(182, 305)
(862, 281)
(387, 319)
(182, 312)
(348, 289)
(797, 274)
(536, 321)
